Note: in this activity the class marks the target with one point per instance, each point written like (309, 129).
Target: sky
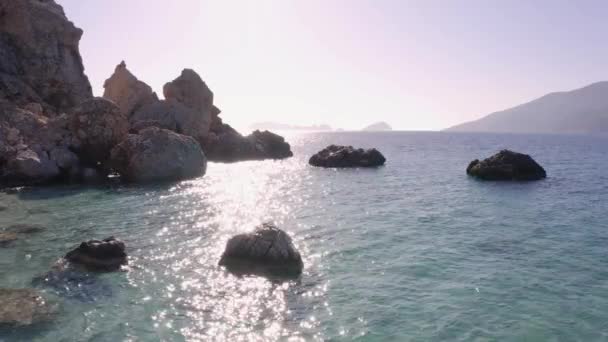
(418, 65)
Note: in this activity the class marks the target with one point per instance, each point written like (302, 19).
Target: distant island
(378, 126)
(286, 127)
(583, 110)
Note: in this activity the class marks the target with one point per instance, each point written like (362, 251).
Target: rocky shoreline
(52, 129)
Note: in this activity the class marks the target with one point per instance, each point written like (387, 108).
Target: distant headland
(583, 110)
(378, 126)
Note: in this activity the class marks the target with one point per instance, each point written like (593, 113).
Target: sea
(412, 251)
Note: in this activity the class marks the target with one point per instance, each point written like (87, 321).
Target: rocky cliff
(53, 129)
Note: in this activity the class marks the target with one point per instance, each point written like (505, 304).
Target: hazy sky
(415, 64)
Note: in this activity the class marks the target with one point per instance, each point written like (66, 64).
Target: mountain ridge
(582, 110)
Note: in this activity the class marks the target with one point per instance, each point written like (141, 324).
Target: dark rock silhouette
(267, 250)
(347, 156)
(507, 165)
(99, 255)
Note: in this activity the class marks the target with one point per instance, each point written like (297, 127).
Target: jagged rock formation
(24, 307)
(347, 156)
(39, 57)
(157, 154)
(52, 129)
(188, 109)
(507, 165)
(268, 249)
(99, 255)
(126, 91)
(190, 90)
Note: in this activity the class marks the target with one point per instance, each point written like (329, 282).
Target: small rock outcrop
(99, 125)
(156, 154)
(126, 91)
(24, 307)
(507, 165)
(39, 57)
(347, 156)
(99, 255)
(268, 249)
(225, 144)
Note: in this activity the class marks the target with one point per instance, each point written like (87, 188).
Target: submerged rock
(158, 155)
(126, 91)
(23, 307)
(24, 228)
(6, 238)
(69, 282)
(99, 255)
(507, 165)
(266, 250)
(347, 156)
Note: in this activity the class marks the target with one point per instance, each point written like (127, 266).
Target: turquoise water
(413, 251)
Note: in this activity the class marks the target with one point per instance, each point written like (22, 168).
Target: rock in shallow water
(99, 255)
(347, 156)
(266, 250)
(507, 165)
(24, 307)
(158, 155)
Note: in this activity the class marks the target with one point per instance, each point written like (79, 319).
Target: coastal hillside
(583, 110)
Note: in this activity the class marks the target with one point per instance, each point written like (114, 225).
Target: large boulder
(24, 307)
(507, 165)
(99, 255)
(156, 154)
(99, 125)
(39, 57)
(190, 90)
(129, 93)
(347, 156)
(268, 249)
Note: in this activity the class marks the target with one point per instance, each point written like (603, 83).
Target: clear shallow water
(413, 251)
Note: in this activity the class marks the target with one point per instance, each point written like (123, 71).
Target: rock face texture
(347, 156)
(126, 91)
(190, 90)
(169, 115)
(99, 125)
(39, 57)
(99, 255)
(34, 148)
(24, 307)
(156, 154)
(267, 249)
(507, 165)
